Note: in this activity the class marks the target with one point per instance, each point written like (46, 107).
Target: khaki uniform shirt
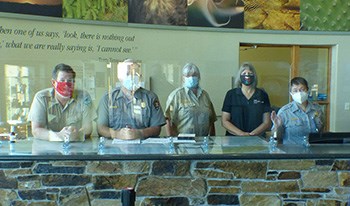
(47, 110)
(190, 113)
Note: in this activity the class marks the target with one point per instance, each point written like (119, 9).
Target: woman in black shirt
(246, 109)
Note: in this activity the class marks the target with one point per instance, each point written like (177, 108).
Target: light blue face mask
(131, 84)
(191, 82)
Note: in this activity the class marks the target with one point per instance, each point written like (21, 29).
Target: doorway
(276, 65)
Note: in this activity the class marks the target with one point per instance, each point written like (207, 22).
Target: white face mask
(300, 97)
(131, 84)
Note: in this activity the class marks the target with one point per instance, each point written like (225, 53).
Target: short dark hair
(298, 81)
(62, 68)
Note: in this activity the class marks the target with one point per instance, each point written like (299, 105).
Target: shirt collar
(54, 100)
(295, 106)
(199, 91)
(136, 94)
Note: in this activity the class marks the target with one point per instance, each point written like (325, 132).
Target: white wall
(215, 51)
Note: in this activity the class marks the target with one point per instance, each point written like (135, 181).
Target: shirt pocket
(74, 115)
(296, 123)
(117, 118)
(297, 128)
(186, 109)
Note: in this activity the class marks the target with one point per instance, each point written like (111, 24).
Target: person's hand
(252, 134)
(68, 132)
(126, 133)
(276, 120)
(244, 134)
(129, 133)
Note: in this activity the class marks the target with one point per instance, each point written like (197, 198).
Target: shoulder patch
(87, 101)
(156, 104)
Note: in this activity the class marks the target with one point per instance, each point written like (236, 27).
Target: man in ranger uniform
(129, 111)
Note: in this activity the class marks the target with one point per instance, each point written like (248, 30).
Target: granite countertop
(219, 147)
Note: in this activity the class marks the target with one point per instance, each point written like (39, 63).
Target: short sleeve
(89, 109)
(157, 115)
(226, 107)
(102, 111)
(37, 112)
(170, 106)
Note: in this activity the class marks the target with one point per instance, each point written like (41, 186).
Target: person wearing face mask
(62, 111)
(299, 117)
(129, 111)
(246, 108)
(189, 109)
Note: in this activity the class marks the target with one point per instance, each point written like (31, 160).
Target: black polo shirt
(246, 114)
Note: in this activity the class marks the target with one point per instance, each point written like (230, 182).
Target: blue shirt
(297, 123)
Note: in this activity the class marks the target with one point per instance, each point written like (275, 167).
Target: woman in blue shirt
(298, 118)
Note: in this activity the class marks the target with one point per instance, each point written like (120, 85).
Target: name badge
(143, 105)
(258, 101)
(137, 109)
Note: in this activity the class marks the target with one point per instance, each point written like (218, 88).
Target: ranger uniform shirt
(190, 113)
(143, 111)
(297, 123)
(47, 110)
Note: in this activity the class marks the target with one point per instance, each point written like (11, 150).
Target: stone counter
(176, 182)
(236, 176)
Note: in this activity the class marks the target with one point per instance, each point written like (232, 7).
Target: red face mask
(65, 88)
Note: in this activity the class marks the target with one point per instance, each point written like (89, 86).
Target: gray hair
(190, 68)
(244, 66)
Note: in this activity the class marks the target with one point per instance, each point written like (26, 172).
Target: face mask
(65, 89)
(247, 79)
(191, 82)
(131, 84)
(300, 97)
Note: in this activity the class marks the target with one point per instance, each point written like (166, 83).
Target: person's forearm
(260, 129)
(45, 134)
(41, 133)
(150, 131)
(170, 128)
(233, 129)
(103, 131)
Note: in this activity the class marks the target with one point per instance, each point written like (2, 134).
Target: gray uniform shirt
(46, 110)
(143, 111)
(297, 123)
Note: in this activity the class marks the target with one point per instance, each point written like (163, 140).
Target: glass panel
(18, 98)
(313, 67)
(273, 68)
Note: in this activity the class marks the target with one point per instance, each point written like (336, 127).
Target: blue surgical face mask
(131, 84)
(191, 82)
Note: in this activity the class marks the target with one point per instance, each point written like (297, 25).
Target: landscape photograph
(34, 7)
